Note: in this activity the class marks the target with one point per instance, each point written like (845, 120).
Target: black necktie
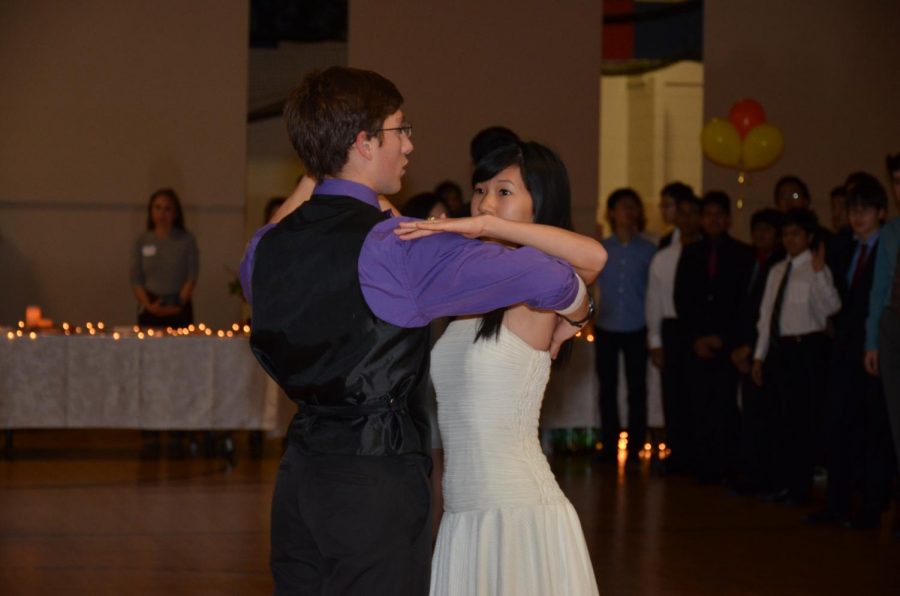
(775, 323)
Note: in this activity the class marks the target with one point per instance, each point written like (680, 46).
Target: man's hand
(657, 358)
(756, 372)
(871, 362)
(562, 332)
(818, 258)
(707, 346)
(740, 357)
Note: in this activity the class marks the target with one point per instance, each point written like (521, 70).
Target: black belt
(799, 339)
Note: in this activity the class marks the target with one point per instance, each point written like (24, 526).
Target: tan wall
(463, 65)
(826, 73)
(103, 102)
(272, 165)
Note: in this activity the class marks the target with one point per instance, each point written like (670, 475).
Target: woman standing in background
(164, 265)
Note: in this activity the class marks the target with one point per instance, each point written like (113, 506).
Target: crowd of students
(776, 356)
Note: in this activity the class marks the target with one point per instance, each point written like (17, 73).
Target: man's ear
(362, 144)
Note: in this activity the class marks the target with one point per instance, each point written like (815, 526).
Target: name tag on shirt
(148, 250)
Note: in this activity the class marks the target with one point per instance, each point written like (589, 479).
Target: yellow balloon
(721, 142)
(762, 147)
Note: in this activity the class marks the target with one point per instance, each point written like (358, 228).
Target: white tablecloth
(83, 381)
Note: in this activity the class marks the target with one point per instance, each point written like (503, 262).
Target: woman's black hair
(547, 180)
(490, 139)
(172, 196)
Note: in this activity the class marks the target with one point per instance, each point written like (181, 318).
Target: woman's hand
(470, 227)
(158, 309)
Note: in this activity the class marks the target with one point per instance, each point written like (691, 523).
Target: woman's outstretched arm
(584, 254)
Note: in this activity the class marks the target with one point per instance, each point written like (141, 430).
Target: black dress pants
(759, 423)
(680, 432)
(860, 453)
(714, 404)
(351, 525)
(796, 374)
(633, 345)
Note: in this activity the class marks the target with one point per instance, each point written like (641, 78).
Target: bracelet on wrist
(581, 322)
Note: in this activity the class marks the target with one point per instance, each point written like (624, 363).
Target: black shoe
(797, 501)
(743, 488)
(865, 522)
(776, 496)
(825, 517)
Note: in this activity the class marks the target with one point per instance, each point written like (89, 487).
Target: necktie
(860, 265)
(775, 323)
(712, 264)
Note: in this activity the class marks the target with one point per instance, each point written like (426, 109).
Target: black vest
(358, 381)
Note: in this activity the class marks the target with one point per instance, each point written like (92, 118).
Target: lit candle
(32, 316)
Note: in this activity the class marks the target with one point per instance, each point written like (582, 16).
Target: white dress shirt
(661, 290)
(809, 299)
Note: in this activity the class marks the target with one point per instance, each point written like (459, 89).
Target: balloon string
(742, 180)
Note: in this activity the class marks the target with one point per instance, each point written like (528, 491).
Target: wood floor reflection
(80, 513)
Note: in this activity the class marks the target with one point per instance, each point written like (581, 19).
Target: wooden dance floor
(80, 513)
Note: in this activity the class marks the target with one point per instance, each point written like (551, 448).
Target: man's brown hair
(330, 108)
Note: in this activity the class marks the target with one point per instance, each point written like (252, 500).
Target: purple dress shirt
(410, 283)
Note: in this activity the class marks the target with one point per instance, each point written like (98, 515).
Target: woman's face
(162, 212)
(504, 196)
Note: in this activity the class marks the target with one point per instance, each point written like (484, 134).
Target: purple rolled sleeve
(410, 283)
(245, 273)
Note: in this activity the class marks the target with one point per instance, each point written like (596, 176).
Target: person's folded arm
(410, 283)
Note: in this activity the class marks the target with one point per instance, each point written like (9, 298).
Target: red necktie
(860, 265)
(712, 265)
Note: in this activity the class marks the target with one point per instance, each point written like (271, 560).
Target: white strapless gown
(507, 529)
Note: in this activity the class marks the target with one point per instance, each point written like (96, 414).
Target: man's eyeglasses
(405, 129)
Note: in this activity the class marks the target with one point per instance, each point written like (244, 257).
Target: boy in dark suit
(710, 282)
(793, 316)
(757, 457)
(859, 440)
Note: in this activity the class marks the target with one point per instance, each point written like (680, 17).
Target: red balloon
(745, 115)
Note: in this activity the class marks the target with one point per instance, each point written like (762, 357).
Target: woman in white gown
(507, 528)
